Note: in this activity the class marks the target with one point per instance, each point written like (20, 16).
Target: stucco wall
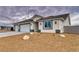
(32, 26)
(61, 24)
(49, 30)
(16, 28)
(66, 22)
(42, 29)
(55, 27)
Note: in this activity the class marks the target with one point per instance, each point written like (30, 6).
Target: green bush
(31, 30)
(38, 30)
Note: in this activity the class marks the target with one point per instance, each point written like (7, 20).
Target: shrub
(31, 30)
(38, 30)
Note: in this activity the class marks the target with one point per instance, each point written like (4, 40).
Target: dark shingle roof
(43, 18)
(29, 20)
(36, 16)
(57, 16)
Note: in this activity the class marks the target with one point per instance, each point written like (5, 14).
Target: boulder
(62, 35)
(31, 33)
(26, 37)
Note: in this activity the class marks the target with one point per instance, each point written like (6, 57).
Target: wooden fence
(71, 29)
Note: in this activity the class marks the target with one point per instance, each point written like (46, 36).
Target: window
(47, 24)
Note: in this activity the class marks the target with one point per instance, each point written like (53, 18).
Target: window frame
(46, 28)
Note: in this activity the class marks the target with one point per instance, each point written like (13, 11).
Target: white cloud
(18, 13)
(75, 19)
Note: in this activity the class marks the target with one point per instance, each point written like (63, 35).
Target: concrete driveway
(5, 34)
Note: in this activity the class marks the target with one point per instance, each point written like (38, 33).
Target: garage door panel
(25, 28)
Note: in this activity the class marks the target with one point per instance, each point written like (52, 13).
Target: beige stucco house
(51, 24)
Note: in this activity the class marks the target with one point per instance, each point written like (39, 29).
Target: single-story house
(4, 26)
(53, 24)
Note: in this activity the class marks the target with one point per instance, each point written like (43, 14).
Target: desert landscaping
(5, 30)
(40, 42)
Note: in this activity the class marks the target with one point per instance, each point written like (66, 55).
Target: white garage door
(25, 28)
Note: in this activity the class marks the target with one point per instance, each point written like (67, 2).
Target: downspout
(69, 20)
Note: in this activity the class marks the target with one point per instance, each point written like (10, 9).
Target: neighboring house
(4, 26)
(51, 24)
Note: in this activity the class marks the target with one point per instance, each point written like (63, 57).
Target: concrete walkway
(5, 34)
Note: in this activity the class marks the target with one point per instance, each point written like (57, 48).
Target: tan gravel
(43, 42)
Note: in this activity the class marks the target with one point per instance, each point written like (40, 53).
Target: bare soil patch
(40, 42)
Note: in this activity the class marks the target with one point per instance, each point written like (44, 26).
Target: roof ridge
(62, 14)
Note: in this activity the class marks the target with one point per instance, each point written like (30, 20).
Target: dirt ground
(4, 30)
(40, 42)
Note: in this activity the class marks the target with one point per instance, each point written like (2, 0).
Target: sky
(12, 14)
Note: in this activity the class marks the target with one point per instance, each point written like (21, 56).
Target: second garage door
(25, 28)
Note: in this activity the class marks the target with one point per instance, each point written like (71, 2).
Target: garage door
(25, 28)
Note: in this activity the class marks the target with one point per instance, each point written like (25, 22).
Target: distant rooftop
(7, 25)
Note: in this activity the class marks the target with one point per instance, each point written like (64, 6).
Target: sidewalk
(5, 34)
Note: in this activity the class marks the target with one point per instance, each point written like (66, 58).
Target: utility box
(57, 31)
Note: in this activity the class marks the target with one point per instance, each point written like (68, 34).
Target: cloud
(16, 13)
(75, 19)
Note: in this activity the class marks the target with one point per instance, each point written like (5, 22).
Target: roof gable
(64, 16)
(36, 18)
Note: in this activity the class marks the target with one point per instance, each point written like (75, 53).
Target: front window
(48, 24)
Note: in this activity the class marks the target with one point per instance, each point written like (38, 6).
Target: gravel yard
(40, 42)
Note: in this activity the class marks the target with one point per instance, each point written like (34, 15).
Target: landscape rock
(31, 33)
(62, 35)
(26, 37)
